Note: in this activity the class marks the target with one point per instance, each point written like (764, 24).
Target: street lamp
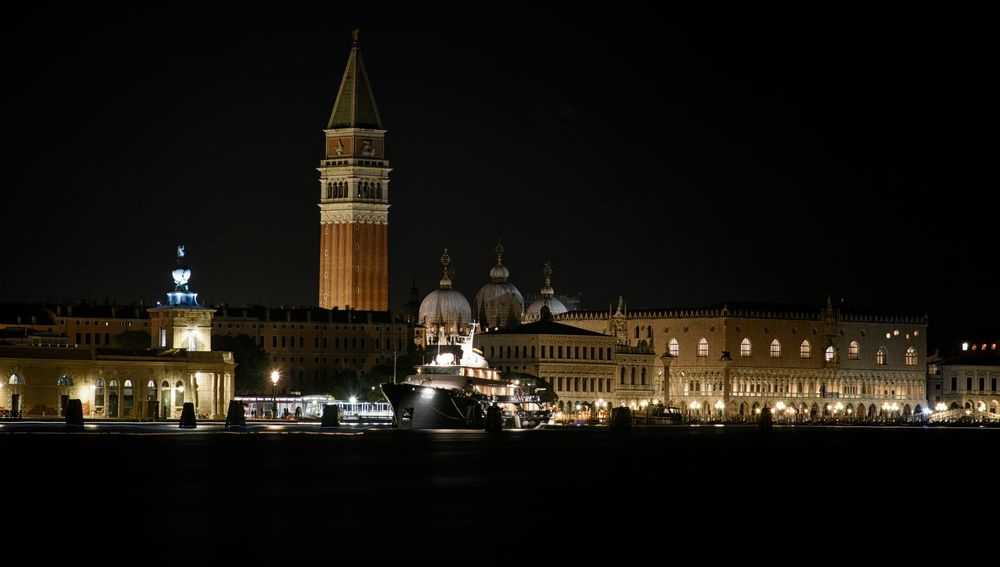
(695, 406)
(720, 406)
(274, 393)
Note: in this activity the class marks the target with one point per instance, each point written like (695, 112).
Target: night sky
(676, 160)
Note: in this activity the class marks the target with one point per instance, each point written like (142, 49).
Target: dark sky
(675, 160)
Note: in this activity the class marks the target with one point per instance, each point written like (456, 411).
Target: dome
(534, 311)
(555, 307)
(499, 273)
(445, 308)
(499, 304)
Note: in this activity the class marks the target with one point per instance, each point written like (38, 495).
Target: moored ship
(455, 389)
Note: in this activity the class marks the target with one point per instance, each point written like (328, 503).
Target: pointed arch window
(805, 350)
(745, 347)
(674, 347)
(703, 347)
(880, 356)
(831, 354)
(775, 349)
(854, 351)
(911, 357)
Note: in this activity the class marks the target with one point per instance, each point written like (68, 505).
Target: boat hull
(422, 407)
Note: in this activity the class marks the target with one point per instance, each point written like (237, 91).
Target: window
(993, 384)
(128, 397)
(559, 383)
(151, 391)
(703, 347)
(179, 393)
(831, 354)
(805, 350)
(968, 383)
(880, 356)
(622, 380)
(633, 376)
(745, 347)
(982, 384)
(911, 356)
(99, 393)
(954, 383)
(532, 351)
(854, 351)
(674, 347)
(775, 349)
(643, 375)
(64, 381)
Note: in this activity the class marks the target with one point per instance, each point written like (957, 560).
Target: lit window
(99, 393)
(854, 351)
(831, 354)
(805, 350)
(911, 356)
(703, 347)
(880, 356)
(675, 348)
(775, 349)
(745, 347)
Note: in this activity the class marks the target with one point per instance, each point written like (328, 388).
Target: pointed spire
(355, 104)
(499, 250)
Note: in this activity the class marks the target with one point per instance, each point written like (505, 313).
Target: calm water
(566, 490)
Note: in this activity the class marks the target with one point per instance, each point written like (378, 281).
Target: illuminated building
(732, 360)
(39, 377)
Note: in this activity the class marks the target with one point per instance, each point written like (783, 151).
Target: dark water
(444, 496)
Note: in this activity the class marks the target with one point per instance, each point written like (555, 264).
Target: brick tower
(354, 198)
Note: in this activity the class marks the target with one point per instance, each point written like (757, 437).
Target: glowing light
(353, 399)
(695, 405)
(981, 406)
(965, 346)
(427, 393)
(927, 411)
(888, 335)
(838, 407)
(941, 406)
(780, 406)
(719, 405)
(274, 377)
(895, 333)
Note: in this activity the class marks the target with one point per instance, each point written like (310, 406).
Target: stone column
(726, 360)
(666, 358)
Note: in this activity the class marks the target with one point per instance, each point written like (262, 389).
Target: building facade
(588, 370)
(966, 384)
(354, 198)
(38, 379)
(730, 361)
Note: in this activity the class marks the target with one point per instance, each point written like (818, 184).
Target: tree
(253, 363)
(131, 340)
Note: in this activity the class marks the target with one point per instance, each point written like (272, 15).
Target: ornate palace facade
(731, 360)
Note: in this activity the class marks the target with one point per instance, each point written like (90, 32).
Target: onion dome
(445, 307)
(548, 300)
(499, 304)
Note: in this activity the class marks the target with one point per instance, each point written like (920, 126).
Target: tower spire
(355, 105)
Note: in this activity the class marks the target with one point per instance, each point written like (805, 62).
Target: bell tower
(354, 198)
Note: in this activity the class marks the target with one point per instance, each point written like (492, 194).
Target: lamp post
(274, 393)
(720, 406)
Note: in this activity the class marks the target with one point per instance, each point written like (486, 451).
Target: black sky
(675, 160)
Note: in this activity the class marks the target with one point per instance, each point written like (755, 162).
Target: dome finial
(354, 35)
(499, 250)
(445, 260)
(445, 282)
(547, 272)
